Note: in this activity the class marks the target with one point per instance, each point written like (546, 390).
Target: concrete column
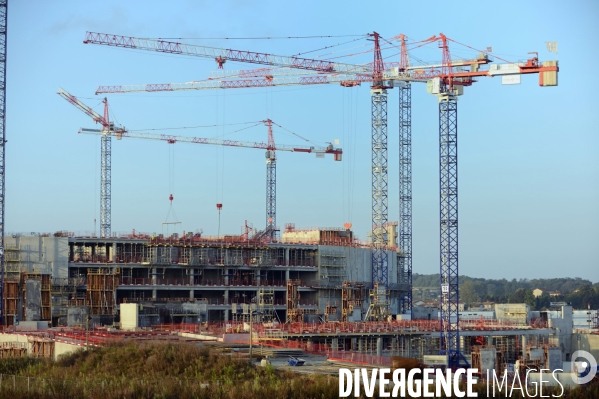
(335, 344)
(226, 297)
(360, 344)
(113, 252)
(524, 345)
(154, 278)
(287, 257)
(191, 294)
(226, 276)
(409, 346)
(192, 273)
(257, 277)
(287, 275)
(379, 346)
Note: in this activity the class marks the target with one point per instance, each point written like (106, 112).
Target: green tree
(468, 294)
(518, 296)
(530, 299)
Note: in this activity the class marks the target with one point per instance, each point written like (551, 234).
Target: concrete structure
(587, 342)
(37, 253)
(518, 313)
(102, 273)
(563, 331)
(129, 316)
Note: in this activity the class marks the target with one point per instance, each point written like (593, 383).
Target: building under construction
(309, 289)
(306, 275)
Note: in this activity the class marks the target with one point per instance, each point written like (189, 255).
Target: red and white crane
(269, 146)
(105, 164)
(445, 79)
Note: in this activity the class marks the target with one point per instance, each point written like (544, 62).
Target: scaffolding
(160, 255)
(302, 257)
(294, 313)
(62, 289)
(379, 303)
(191, 255)
(12, 259)
(128, 253)
(332, 267)
(328, 311)
(351, 297)
(508, 347)
(266, 305)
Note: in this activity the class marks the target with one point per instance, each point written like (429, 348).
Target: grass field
(167, 370)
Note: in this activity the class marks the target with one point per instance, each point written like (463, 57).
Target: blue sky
(528, 164)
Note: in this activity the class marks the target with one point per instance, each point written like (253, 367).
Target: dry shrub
(408, 364)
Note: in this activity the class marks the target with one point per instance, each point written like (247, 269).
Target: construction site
(278, 288)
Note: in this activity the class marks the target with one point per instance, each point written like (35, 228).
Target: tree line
(575, 291)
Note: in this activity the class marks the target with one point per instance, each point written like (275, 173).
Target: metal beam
(405, 193)
(448, 185)
(379, 187)
(105, 185)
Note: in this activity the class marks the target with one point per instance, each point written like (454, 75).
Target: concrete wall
(62, 348)
(359, 262)
(306, 236)
(33, 302)
(425, 313)
(563, 331)
(42, 254)
(586, 342)
(513, 312)
(554, 359)
(129, 316)
(488, 358)
(77, 315)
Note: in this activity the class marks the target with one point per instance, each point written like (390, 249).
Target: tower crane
(441, 80)
(371, 73)
(3, 28)
(105, 157)
(322, 72)
(271, 159)
(447, 86)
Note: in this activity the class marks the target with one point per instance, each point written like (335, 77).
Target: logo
(583, 372)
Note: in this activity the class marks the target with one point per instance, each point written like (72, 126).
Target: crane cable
(171, 185)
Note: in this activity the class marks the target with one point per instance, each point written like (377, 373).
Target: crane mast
(3, 43)
(405, 180)
(447, 88)
(271, 183)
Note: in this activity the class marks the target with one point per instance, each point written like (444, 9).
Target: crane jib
(222, 55)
